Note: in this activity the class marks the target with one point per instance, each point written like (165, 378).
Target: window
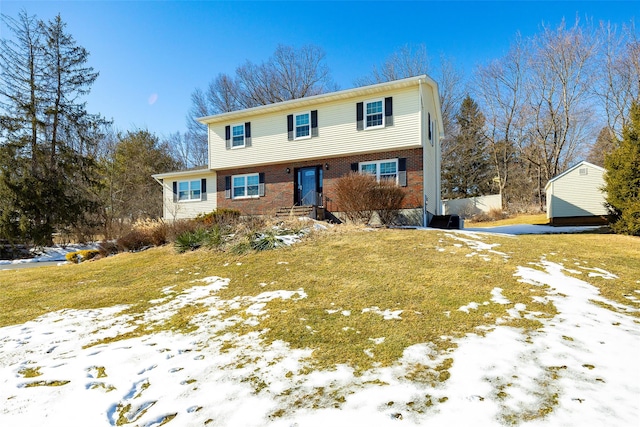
(374, 113)
(381, 169)
(237, 136)
(303, 126)
(189, 190)
(245, 185)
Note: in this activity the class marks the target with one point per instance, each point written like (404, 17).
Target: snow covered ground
(580, 369)
(49, 255)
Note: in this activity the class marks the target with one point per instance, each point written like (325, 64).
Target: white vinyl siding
(577, 193)
(338, 135)
(180, 210)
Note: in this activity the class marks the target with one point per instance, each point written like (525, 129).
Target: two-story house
(291, 153)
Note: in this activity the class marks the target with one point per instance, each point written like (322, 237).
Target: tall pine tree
(466, 167)
(622, 180)
(47, 137)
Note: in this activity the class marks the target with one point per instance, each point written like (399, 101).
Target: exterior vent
(584, 171)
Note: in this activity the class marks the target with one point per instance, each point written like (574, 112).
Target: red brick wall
(279, 191)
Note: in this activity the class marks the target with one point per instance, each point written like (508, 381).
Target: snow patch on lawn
(579, 368)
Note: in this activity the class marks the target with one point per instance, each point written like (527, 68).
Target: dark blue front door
(308, 186)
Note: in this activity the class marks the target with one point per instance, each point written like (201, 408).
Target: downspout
(424, 147)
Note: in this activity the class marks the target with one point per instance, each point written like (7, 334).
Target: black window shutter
(359, 116)
(290, 127)
(261, 184)
(429, 124)
(354, 167)
(402, 172)
(175, 191)
(314, 123)
(388, 111)
(227, 136)
(203, 189)
(227, 187)
(247, 134)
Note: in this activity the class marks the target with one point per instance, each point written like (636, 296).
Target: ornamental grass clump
(190, 240)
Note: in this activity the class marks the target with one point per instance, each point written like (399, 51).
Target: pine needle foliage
(622, 180)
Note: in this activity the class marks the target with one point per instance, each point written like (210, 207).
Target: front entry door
(307, 186)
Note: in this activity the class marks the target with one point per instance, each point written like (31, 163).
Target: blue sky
(151, 55)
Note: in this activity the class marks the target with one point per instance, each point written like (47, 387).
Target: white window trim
(295, 127)
(244, 136)
(377, 163)
(190, 200)
(364, 113)
(245, 176)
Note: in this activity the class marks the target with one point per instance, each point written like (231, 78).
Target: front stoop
(315, 212)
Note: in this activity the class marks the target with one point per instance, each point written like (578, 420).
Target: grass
(426, 274)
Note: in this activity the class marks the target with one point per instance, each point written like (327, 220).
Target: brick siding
(279, 185)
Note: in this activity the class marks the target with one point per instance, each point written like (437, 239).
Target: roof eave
(326, 97)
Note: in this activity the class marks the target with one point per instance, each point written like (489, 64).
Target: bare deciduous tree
(289, 73)
(619, 63)
(405, 62)
(559, 85)
(500, 88)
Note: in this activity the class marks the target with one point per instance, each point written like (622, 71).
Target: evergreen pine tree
(622, 180)
(47, 138)
(605, 143)
(466, 167)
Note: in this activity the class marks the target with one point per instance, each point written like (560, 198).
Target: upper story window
(381, 169)
(374, 113)
(377, 113)
(246, 185)
(237, 138)
(189, 190)
(302, 126)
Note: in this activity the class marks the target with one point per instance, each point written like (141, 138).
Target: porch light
(288, 170)
(326, 166)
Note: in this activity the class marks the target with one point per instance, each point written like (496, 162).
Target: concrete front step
(298, 211)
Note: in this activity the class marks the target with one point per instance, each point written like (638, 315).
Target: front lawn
(360, 300)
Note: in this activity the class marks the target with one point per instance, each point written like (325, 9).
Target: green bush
(623, 178)
(190, 240)
(265, 241)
